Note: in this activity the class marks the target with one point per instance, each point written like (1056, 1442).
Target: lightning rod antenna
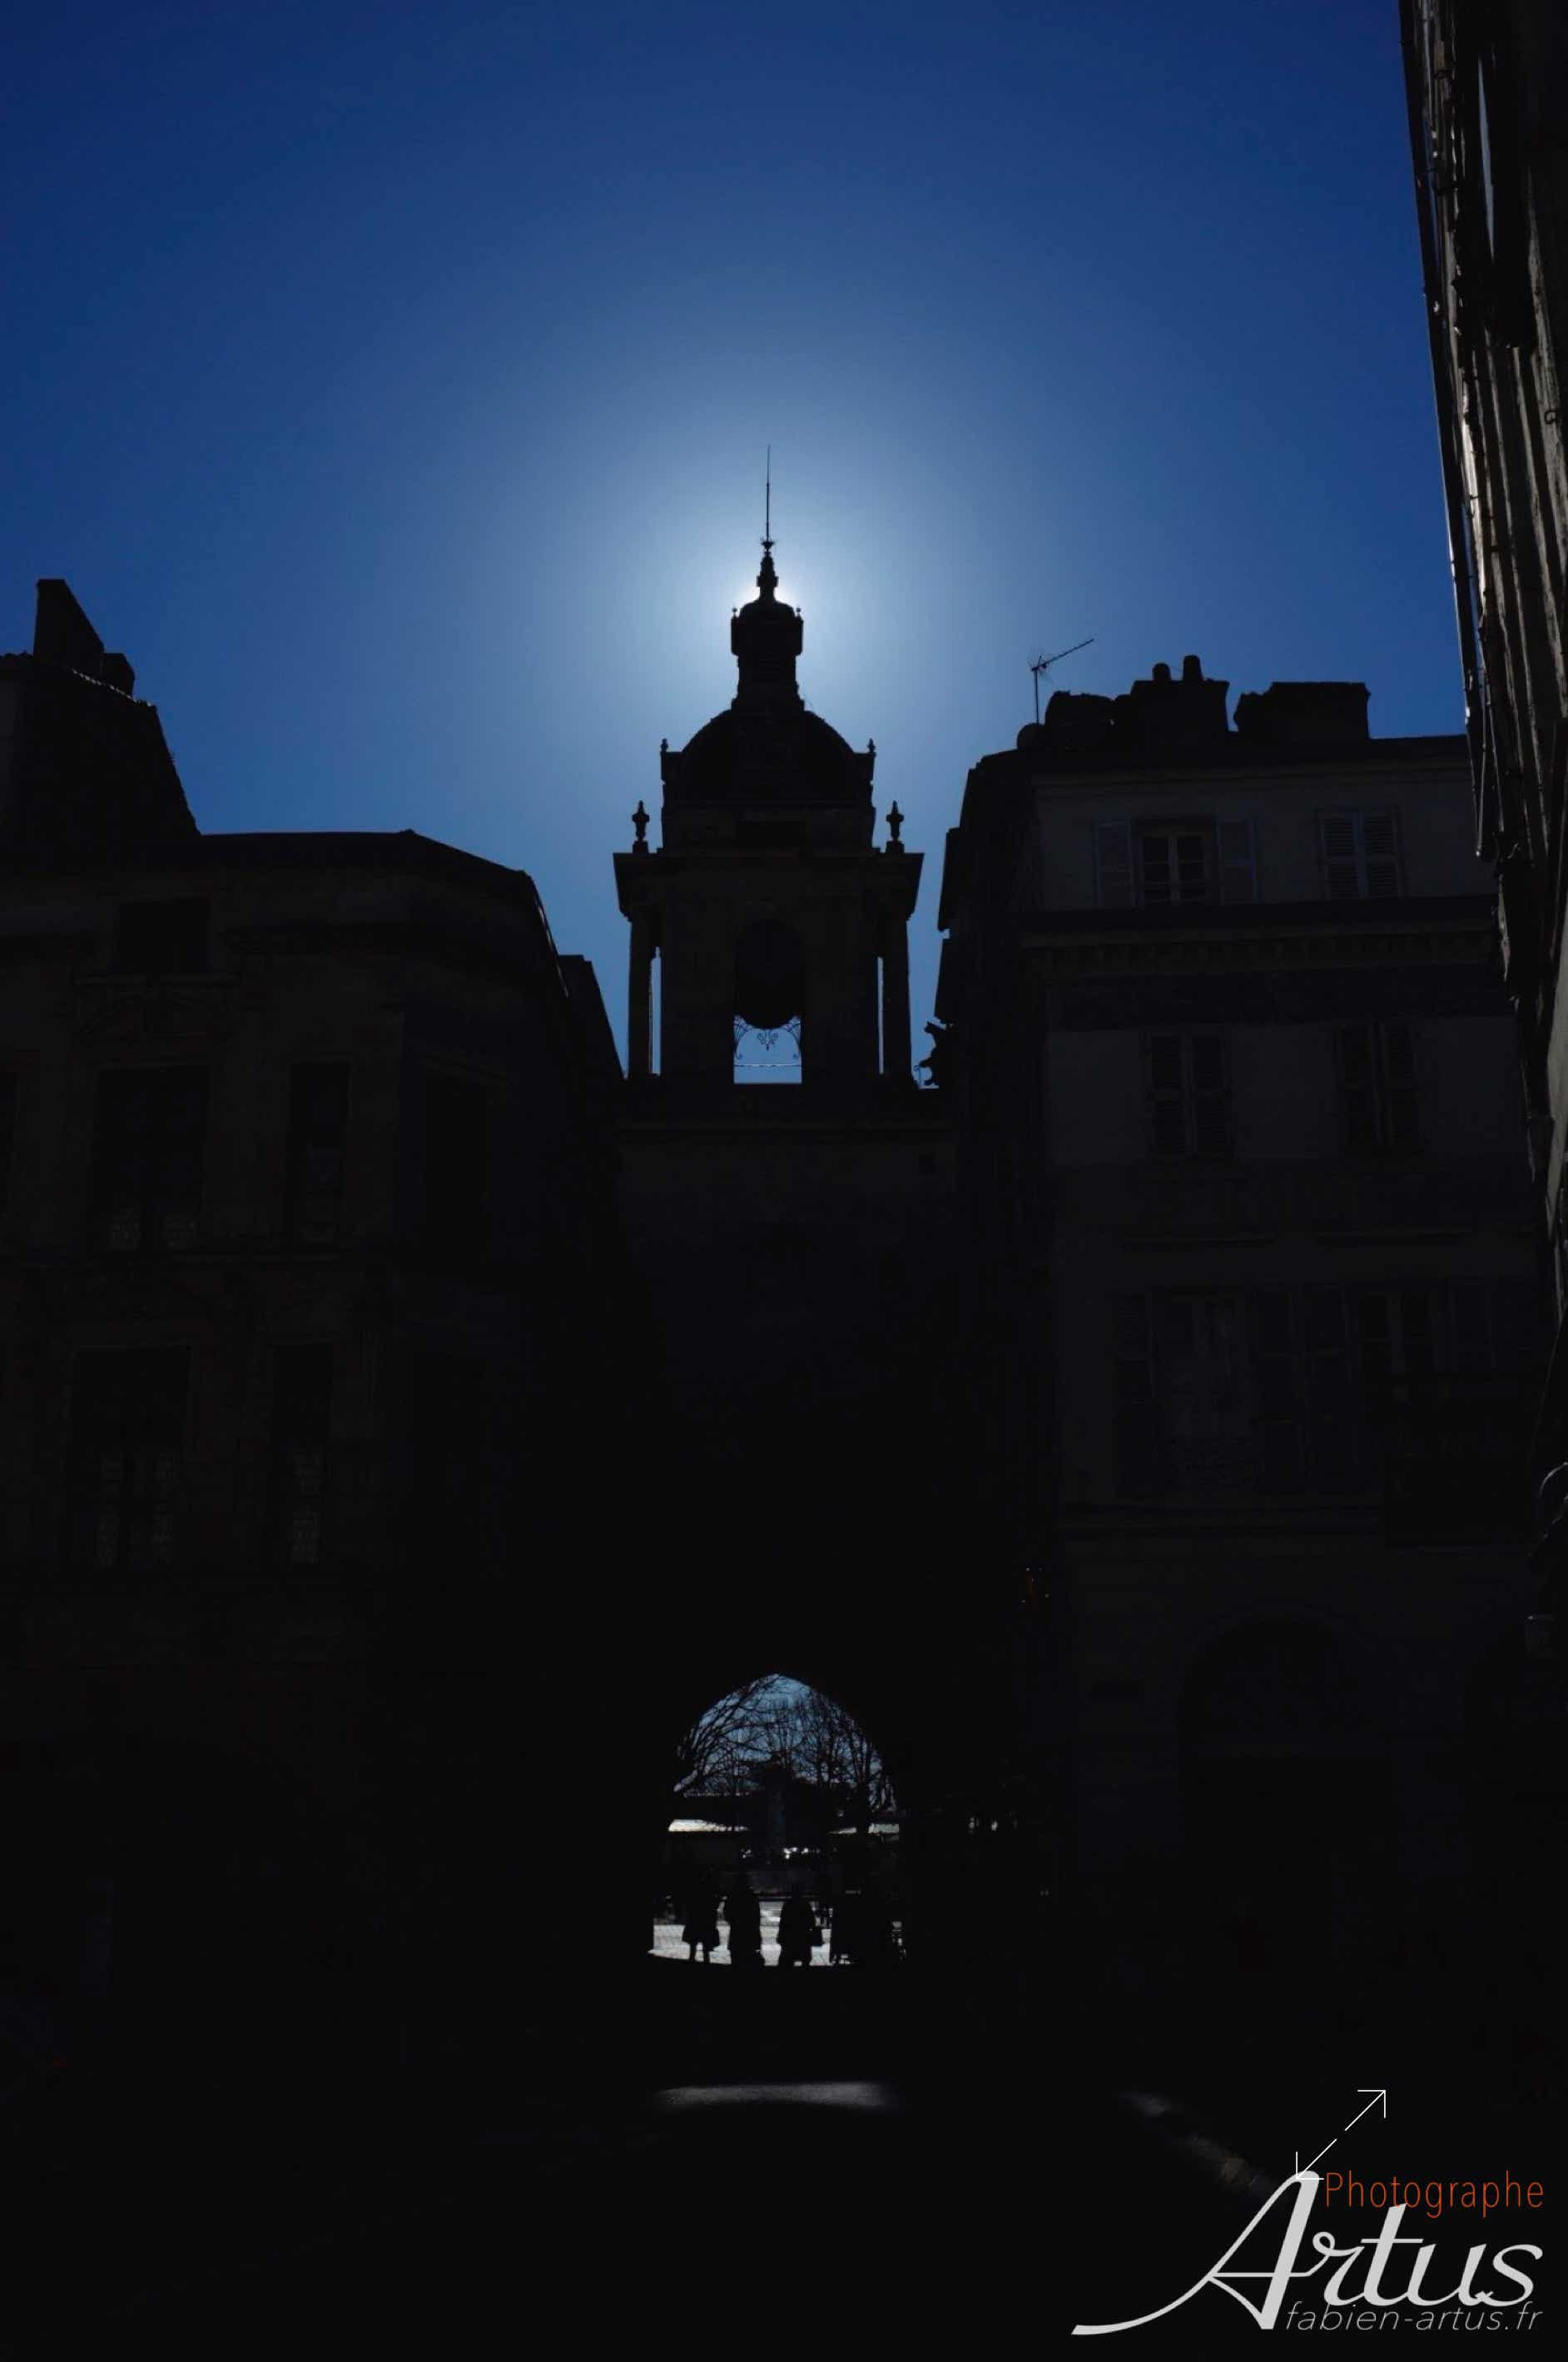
(1044, 664)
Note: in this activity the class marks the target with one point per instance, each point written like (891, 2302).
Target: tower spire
(766, 635)
(767, 579)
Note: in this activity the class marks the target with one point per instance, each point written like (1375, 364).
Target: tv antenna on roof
(1044, 664)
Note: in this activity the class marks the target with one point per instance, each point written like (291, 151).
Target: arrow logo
(1379, 2098)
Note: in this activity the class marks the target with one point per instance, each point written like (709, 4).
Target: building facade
(1485, 81)
(307, 1276)
(1255, 1249)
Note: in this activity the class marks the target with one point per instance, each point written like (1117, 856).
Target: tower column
(639, 1000)
(897, 1058)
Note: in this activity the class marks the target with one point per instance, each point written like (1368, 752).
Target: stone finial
(640, 823)
(895, 823)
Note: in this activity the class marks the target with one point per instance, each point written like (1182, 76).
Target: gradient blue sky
(392, 384)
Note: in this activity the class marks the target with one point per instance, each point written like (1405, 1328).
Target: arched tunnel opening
(783, 1841)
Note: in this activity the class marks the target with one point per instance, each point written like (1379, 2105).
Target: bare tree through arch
(775, 1725)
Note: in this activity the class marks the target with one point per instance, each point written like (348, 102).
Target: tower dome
(768, 907)
(767, 749)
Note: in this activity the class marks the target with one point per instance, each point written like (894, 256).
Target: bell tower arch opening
(769, 1002)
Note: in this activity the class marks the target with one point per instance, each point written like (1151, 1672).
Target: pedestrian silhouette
(798, 1931)
(743, 1915)
(848, 1920)
(701, 1933)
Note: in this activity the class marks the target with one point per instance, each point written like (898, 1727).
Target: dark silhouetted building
(1485, 80)
(1258, 1297)
(307, 1293)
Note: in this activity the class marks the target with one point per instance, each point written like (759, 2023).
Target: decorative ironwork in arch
(769, 1038)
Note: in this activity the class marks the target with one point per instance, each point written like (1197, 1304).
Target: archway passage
(782, 1845)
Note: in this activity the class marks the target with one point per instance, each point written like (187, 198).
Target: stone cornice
(1071, 943)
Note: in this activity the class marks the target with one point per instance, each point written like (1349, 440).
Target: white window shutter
(1380, 844)
(1341, 871)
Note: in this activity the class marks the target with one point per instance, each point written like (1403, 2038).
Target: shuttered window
(1188, 1085)
(318, 1113)
(1202, 861)
(1208, 1392)
(1271, 1390)
(1377, 1088)
(1360, 855)
(149, 1150)
(301, 1414)
(127, 1437)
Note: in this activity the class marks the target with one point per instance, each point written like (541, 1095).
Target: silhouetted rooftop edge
(289, 849)
(1171, 723)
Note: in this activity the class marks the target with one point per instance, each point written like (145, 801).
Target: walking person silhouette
(798, 1931)
(743, 1915)
(701, 1933)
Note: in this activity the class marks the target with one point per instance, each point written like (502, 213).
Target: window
(149, 1150)
(1377, 1088)
(1183, 1410)
(1187, 1085)
(1499, 1326)
(1360, 855)
(1396, 1340)
(162, 938)
(318, 1111)
(1269, 1390)
(457, 1160)
(463, 1469)
(1189, 861)
(301, 1411)
(1238, 863)
(1368, 1350)
(1174, 865)
(1204, 1406)
(126, 1436)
